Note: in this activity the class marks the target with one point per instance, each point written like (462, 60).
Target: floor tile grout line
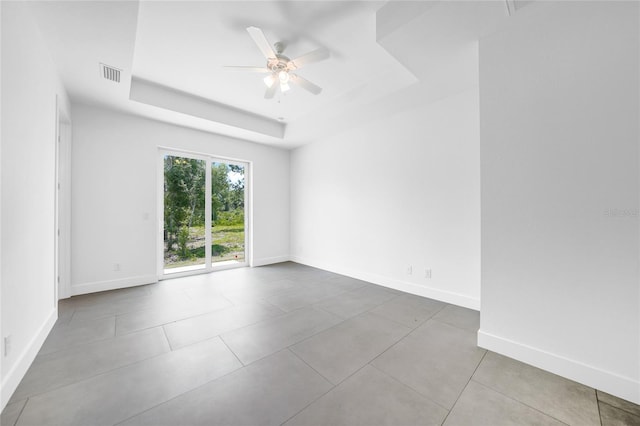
(467, 384)
(98, 374)
(264, 301)
(313, 303)
(169, 322)
(404, 337)
(598, 404)
(342, 322)
(231, 350)
(192, 389)
(444, 305)
(395, 296)
(617, 407)
(334, 386)
(107, 303)
(379, 315)
(299, 341)
(199, 386)
(76, 345)
(395, 379)
(349, 376)
(452, 325)
(70, 316)
(183, 393)
(164, 332)
(430, 317)
(319, 308)
(36, 360)
(518, 401)
(290, 347)
(216, 311)
(324, 330)
(371, 363)
(599, 413)
(21, 411)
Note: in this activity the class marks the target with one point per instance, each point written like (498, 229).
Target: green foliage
(184, 186)
(216, 250)
(233, 217)
(219, 189)
(184, 206)
(226, 196)
(183, 239)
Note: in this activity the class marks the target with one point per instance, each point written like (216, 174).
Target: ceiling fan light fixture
(284, 77)
(279, 66)
(269, 80)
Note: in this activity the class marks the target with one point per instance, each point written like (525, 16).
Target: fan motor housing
(280, 63)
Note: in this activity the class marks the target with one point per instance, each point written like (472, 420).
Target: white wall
(29, 88)
(559, 154)
(114, 189)
(401, 191)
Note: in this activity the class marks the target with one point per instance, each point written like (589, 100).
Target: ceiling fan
(280, 68)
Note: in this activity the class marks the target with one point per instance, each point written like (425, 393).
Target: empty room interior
(320, 212)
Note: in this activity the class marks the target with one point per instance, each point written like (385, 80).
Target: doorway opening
(204, 213)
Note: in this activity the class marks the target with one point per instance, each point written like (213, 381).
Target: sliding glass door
(204, 206)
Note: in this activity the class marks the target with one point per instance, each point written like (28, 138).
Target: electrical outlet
(116, 266)
(7, 345)
(409, 270)
(427, 274)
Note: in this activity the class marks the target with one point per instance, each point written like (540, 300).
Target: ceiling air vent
(110, 73)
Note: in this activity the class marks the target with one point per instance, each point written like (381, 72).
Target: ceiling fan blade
(250, 69)
(271, 91)
(261, 41)
(313, 56)
(306, 84)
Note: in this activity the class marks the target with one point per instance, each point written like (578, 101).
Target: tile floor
(286, 344)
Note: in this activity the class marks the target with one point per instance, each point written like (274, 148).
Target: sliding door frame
(209, 159)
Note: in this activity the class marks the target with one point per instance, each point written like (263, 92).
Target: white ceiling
(181, 49)
(186, 47)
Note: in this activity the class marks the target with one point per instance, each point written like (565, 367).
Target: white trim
(248, 213)
(16, 373)
(270, 260)
(63, 206)
(157, 95)
(172, 275)
(607, 381)
(225, 266)
(56, 202)
(94, 287)
(160, 213)
(407, 287)
(207, 213)
(200, 155)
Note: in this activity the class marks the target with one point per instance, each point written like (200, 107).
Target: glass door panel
(228, 230)
(184, 214)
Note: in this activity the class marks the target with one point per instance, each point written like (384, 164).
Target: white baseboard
(24, 360)
(270, 260)
(620, 386)
(407, 287)
(94, 287)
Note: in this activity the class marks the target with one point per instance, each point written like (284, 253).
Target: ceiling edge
(157, 95)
